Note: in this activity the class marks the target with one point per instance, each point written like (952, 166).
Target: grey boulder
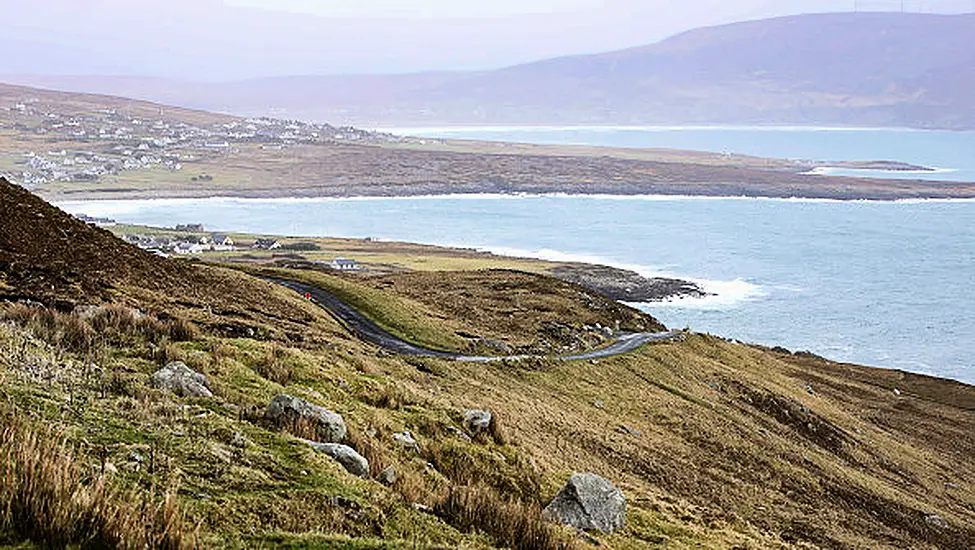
(588, 502)
(477, 420)
(353, 462)
(181, 380)
(294, 413)
(387, 476)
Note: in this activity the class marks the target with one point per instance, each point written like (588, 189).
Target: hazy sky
(233, 39)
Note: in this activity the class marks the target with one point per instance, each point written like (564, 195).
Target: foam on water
(721, 294)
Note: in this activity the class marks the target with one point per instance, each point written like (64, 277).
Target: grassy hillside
(714, 444)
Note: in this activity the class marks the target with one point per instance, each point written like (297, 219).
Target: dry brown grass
(46, 497)
(276, 365)
(512, 523)
(90, 331)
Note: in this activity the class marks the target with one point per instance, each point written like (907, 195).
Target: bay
(878, 283)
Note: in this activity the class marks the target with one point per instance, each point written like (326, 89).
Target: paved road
(371, 332)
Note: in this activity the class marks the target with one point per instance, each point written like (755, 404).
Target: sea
(888, 284)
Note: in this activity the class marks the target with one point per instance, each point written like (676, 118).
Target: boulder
(289, 412)
(181, 380)
(588, 502)
(477, 420)
(387, 477)
(353, 462)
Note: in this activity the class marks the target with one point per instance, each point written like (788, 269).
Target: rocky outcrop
(300, 417)
(590, 503)
(625, 285)
(181, 380)
(353, 462)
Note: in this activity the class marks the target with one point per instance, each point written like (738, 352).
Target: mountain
(864, 69)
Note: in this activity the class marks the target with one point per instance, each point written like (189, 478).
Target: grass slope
(715, 444)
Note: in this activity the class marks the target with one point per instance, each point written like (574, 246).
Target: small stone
(477, 420)
(387, 477)
(459, 433)
(181, 380)
(936, 521)
(353, 462)
(624, 429)
(406, 440)
(598, 404)
(897, 391)
(238, 440)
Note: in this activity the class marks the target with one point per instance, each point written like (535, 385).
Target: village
(108, 142)
(193, 240)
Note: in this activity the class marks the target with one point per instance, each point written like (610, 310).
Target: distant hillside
(876, 69)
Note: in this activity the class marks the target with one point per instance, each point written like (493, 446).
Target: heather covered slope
(715, 444)
(48, 256)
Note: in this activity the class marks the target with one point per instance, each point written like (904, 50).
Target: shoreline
(176, 198)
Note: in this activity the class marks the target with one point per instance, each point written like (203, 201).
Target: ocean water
(884, 284)
(950, 154)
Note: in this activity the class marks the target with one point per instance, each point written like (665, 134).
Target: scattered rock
(588, 502)
(387, 477)
(238, 440)
(289, 412)
(405, 439)
(936, 521)
(459, 433)
(624, 429)
(477, 420)
(181, 380)
(353, 462)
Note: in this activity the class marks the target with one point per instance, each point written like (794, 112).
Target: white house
(344, 264)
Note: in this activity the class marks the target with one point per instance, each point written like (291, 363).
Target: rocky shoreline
(627, 286)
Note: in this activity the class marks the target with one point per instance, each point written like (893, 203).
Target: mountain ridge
(849, 69)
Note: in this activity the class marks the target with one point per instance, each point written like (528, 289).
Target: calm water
(886, 284)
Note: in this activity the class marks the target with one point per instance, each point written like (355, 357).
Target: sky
(221, 40)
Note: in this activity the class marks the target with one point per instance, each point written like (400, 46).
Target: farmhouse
(344, 264)
(266, 244)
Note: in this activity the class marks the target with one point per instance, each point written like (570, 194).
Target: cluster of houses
(191, 242)
(111, 141)
(164, 245)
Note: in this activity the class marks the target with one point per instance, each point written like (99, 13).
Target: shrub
(276, 365)
(47, 498)
(89, 330)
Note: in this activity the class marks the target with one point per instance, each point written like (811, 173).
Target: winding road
(371, 332)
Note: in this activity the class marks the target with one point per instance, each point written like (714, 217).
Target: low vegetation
(47, 496)
(714, 444)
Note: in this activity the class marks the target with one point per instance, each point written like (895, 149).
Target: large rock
(296, 414)
(588, 502)
(181, 380)
(353, 462)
